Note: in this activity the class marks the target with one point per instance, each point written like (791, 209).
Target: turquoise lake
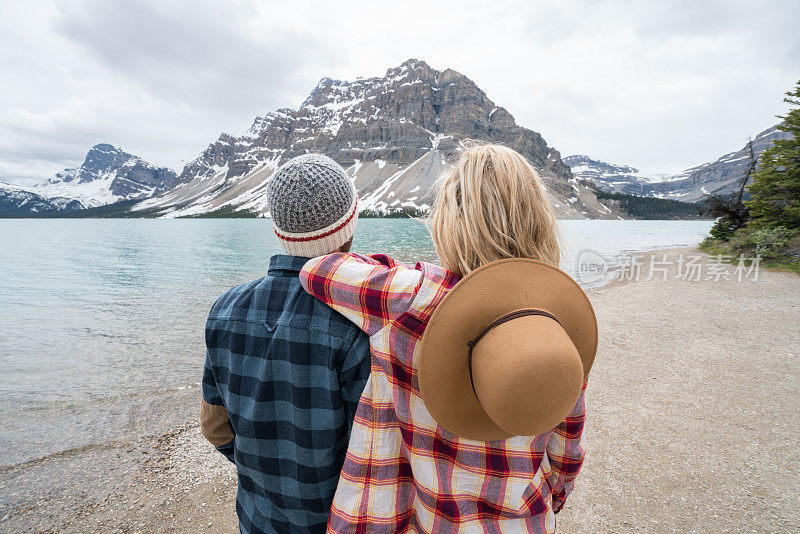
(101, 320)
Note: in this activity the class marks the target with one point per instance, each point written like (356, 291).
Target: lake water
(101, 321)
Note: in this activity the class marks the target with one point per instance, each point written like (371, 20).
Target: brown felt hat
(507, 350)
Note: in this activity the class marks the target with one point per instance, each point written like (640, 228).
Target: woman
(404, 471)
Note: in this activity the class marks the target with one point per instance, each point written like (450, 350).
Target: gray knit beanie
(313, 204)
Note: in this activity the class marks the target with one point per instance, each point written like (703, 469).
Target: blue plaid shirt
(289, 372)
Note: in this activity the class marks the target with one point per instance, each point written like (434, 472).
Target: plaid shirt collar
(285, 265)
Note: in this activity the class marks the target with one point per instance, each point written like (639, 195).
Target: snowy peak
(100, 159)
(587, 168)
(108, 174)
(761, 142)
(399, 116)
(608, 176)
(17, 201)
(413, 70)
(722, 176)
(103, 158)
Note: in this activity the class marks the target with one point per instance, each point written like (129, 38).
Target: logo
(590, 268)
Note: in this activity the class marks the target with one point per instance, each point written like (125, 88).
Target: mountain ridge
(16, 201)
(394, 134)
(404, 128)
(107, 175)
(722, 176)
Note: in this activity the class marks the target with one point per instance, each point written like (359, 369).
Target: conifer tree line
(768, 224)
(775, 191)
(640, 207)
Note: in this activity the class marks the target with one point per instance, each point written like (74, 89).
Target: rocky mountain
(107, 175)
(720, 177)
(394, 134)
(606, 176)
(16, 201)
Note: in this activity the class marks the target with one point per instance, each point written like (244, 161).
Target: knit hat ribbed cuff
(322, 241)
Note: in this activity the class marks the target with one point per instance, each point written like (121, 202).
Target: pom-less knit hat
(313, 204)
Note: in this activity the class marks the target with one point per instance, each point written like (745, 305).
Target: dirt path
(693, 423)
(692, 427)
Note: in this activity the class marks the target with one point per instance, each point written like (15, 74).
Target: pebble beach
(692, 427)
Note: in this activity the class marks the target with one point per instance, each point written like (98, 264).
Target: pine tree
(775, 191)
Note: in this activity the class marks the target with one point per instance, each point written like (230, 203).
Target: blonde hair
(492, 205)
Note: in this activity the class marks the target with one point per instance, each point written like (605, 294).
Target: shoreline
(670, 368)
(161, 401)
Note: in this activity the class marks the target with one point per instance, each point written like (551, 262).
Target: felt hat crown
(507, 350)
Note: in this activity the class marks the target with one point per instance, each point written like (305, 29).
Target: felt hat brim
(477, 300)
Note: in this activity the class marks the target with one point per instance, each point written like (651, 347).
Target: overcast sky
(661, 86)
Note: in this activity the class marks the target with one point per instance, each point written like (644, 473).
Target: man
(284, 372)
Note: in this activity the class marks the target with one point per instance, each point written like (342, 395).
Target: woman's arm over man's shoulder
(371, 291)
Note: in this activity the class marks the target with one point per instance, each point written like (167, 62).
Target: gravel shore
(692, 427)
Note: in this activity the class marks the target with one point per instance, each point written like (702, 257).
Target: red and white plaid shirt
(404, 472)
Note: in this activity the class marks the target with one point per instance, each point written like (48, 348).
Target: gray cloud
(658, 85)
(194, 53)
(160, 80)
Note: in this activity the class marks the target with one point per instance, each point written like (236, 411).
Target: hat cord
(497, 322)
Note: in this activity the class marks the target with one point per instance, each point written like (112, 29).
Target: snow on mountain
(384, 186)
(16, 201)
(107, 175)
(592, 167)
(394, 134)
(722, 176)
(607, 176)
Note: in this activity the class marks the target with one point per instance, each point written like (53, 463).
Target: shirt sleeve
(214, 420)
(565, 451)
(371, 291)
(353, 375)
